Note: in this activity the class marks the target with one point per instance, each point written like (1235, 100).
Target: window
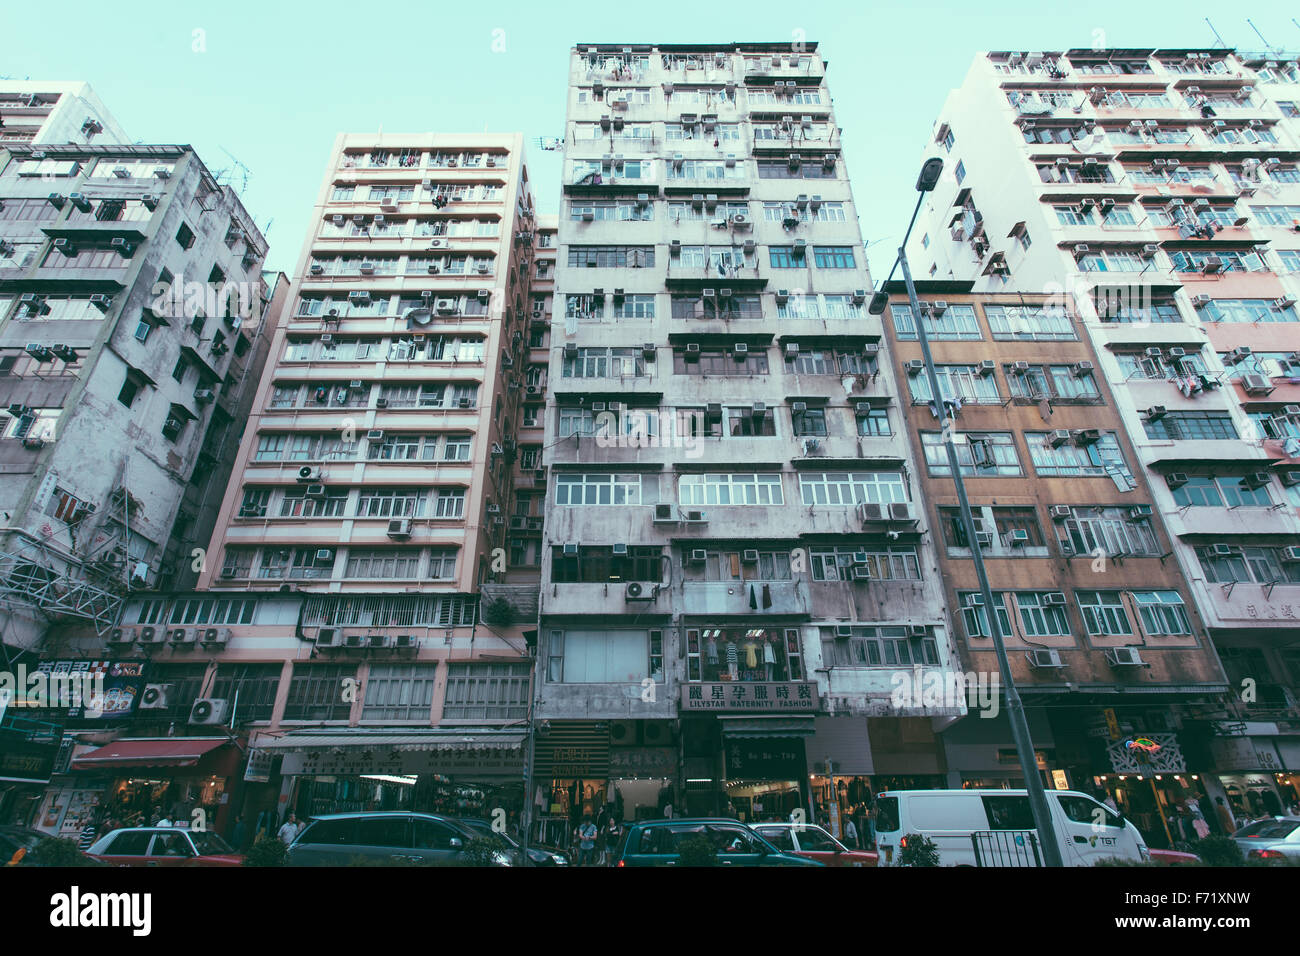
(1028, 323)
(747, 655)
(314, 692)
(886, 646)
(1248, 310)
(185, 236)
(1104, 614)
(597, 489)
(611, 257)
(1039, 617)
(1191, 425)
(130, 389)
(957, 381)
(875, 423)
(1249, 564)
(834, 257)
(983, 454)
(1110, 530)
(957, 322)
(1227, 261)
(1057, 383)
(720, 362)
(1100, 458)
(811, 421)
(255, 685)
(894, 563)
(960, 172)
(730, 489)
(487, 691)
(596, 657)
(399, 692)
(852, 488)
(975, 616)
(1162, 613)
(786, 257)
(382, 563)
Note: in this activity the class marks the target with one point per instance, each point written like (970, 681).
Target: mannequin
(769, 657)
(733, 660)
(711, 648)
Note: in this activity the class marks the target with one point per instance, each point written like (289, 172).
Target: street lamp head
(930, 174)
(878, 303)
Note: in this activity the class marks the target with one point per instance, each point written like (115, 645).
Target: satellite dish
(419, 317)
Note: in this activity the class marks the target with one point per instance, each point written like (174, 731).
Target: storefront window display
(763, 800)
(743, 654)
(139, 801)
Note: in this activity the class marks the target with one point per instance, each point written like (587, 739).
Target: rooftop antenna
(1267, 45)
(244, 172)
(1216, 33)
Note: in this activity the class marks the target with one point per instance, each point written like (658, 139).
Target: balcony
(610, 599)
(1221, 522)
(773, 598)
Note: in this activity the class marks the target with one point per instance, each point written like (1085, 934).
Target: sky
(265, 87)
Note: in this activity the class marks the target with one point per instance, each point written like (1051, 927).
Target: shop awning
(441, 743)
(757, 727)
(168, 752)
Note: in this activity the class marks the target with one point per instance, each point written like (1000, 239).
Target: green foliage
(697, 851)
(499, 612)
(920, 851)
(267, 851)
(482, 851)
(1219, 851)
(53, 851)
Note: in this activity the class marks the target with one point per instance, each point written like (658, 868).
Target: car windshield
(209, 844)
(1269, 829)
(815, 838)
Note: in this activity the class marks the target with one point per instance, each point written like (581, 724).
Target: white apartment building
(1159, 190)
(734, 563)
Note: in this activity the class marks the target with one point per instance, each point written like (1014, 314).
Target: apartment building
(36, 113)
(1099, 627)
(129, 278)
(336, 625)
(735, 563)
(1157, 191)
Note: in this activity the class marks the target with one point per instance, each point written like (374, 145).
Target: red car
(804, 839)
(1174, 857)
(163, 846)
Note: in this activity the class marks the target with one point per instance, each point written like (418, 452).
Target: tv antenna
(239, 169)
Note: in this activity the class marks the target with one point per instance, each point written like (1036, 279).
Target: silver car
(1275, 840)
(394, 838)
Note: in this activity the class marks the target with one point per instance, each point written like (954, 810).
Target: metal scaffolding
(39, 576)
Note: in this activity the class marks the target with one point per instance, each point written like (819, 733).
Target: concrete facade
(723, 449)
(129, 275)
(1155, 190)
(44, 112)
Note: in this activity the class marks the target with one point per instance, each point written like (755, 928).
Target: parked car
(1275, 840)
(18, 848)
(163, 846)
(396, 837)
(1173, 857)
(813, 842)
(657, 843)
(996, 827)
(537, 855)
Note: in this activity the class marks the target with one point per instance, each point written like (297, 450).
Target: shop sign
(1244, 753)
(356, 761)
(123, 683)
(774, 758)
(643, 762)
(1147, 754)
(259, 766)
(781, 696)
(28, 757)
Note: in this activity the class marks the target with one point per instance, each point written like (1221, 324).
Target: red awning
(169, 752)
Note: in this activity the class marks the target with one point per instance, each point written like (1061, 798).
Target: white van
(996, 827)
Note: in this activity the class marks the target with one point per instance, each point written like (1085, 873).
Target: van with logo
(996, 827)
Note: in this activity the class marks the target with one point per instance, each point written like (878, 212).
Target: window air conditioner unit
(1080, 369)
(1256, 480)
(1044, 657)
(1018, 537)
(1060, 512)
(1256, 384)
(1124, 657)
(1058, 437)
(843, 631)
(1155, 413)
(698, 556)
(914, 367)
(1175, 479)
(1291, 555)
(1138, 513)
(986, 367)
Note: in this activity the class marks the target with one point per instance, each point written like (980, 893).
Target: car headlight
(500, 859)
(1146, 854)
(559, 860)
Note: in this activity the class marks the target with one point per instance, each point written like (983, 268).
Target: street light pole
(1015, 707)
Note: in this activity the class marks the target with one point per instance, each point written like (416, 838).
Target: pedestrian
(612, 833)
(289, 830)
(1226, 819)
(1199, 826)
(871, 826)
(239, 833)
(1110, 802)
(586, 841)
(850, 832)
(88, 835)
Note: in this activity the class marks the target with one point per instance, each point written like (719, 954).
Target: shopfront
(461, 773)
(180, 778)
(1249, 771)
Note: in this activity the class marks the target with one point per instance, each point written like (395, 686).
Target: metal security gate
(1006, 848)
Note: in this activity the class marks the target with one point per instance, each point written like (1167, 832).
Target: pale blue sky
(279, 79)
